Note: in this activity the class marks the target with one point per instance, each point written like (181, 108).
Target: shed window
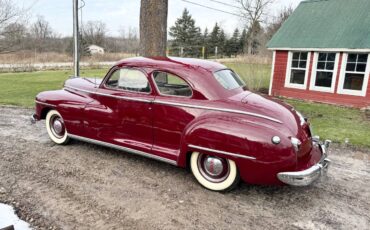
(298, 70)
(355, 74)
(298, 63)
(355, 71)
(324, 70)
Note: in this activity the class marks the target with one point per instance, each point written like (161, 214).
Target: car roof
(172, 62)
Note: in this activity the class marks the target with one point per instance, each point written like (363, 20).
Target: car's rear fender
(244, 141)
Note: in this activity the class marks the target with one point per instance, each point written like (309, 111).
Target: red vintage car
(190, 113)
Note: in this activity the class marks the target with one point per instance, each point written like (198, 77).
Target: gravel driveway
(83, 186)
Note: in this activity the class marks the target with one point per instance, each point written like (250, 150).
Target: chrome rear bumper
(308, 176)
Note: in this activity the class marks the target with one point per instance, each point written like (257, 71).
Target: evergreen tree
(204, 43)
(214, 39)
(243, 41)
(233, 44)
(221, 43)
(185, 34)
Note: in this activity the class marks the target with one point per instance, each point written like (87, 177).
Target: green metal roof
(324, 24)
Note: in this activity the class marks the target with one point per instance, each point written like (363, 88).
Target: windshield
(228, 79)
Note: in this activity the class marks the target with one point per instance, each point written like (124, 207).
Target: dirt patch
(83, 186)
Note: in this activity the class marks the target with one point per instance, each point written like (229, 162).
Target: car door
(170, 119)
(122, 112)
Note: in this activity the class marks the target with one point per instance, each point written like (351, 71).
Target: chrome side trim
(43, 103)
(218, 109)
(137, 152)
(179, 104)
(109, 95)
(222, 152)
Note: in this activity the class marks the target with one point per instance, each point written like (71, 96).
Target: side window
(129, 79)
(169, 84)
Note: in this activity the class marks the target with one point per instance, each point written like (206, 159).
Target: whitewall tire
(56, 128)
(214, 173)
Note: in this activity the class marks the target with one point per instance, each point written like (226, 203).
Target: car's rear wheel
(56, 128)
(214, 173)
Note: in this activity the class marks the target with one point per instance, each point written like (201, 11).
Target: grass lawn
(255, 76)
(21, 88)
(331, 122)
(336, 123)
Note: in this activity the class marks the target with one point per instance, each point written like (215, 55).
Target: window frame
(240, 78)
(315, 70)
(168, 95)
(289, 71)
(126, 90)
(342, 76)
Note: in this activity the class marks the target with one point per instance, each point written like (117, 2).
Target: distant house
(322, 53)
(94, 49)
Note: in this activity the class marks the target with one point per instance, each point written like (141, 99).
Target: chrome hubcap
(58, 126)
(213, 166)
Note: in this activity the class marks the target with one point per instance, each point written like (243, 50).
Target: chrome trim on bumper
(308, 176)
(33, 118)
(118, 147)
(222, 152)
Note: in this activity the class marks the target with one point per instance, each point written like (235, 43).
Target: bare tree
(41, 29)
(9, 14)
(254, 12)
(278, 21)
(153, 27)
(94, 32)
(41, 34)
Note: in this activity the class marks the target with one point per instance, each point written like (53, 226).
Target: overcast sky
(118, 14)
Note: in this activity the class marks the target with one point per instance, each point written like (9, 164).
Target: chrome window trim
(43, 103)
(127, 90)
(181, 105)
(222, 152)
(109, 95)
(126, 149)
(242, 86)
(169, 95)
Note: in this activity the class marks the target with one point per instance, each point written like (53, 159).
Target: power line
(211, 8)
(226, 4)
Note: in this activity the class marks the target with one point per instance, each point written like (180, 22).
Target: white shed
(94, 49)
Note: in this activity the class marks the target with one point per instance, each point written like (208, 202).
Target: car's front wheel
(214, 173)
(56, 128)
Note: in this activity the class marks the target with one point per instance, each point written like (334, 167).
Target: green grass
(336, 123)
(255, 76)
(21, 88)
(331, 122)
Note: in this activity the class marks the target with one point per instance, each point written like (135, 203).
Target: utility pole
(76, 40)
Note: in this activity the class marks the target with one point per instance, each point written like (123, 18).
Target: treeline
(188, 40)
(41, 37)
(18, 34)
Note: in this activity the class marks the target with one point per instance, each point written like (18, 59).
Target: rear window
(228, 79)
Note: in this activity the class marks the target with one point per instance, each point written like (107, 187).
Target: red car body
(236, 124)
